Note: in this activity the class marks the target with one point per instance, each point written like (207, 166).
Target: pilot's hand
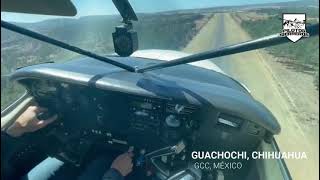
(28, 122)
(123, 163)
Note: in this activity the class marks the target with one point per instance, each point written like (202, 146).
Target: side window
(11, 58)
(10, 91)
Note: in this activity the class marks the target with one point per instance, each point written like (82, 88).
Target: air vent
(180, 109)
(229, 121)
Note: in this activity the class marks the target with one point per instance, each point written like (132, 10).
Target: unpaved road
(251, 69)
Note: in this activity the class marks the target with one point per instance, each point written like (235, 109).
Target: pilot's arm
(120, 167)
(27, 122)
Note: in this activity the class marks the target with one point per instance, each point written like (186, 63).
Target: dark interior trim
(44, 7)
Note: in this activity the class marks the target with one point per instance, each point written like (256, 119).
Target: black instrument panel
(122, 118)
(89, 116)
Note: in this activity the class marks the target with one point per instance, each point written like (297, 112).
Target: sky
(106, 7)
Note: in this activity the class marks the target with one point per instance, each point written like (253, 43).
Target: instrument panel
(89, 116)
(102, 109)
(128, 119)
(92, 120)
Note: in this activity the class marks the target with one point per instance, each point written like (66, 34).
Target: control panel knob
(172, 121)
(178, 108)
